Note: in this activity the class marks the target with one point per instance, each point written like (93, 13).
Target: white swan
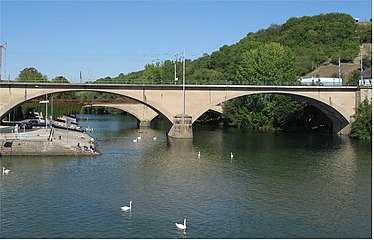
(182, 226)
(6, 171)
(126, 208)
(139, 137)
(154, 138)
(135, 140)
(198, 155)
(231, 155)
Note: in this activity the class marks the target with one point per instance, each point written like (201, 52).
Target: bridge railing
(187, 82)
(92, 101)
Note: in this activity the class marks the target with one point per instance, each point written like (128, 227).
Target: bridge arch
(141, 112)
(337, 115)
(18, 100)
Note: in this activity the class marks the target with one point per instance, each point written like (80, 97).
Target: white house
(367, 78)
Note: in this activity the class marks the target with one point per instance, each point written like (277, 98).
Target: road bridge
(339, 103)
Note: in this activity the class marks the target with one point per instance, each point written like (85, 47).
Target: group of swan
(178, 225)
(138, 138)
(6, 171)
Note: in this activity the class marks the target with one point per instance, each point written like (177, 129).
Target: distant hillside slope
(315, 41)
(331, 70)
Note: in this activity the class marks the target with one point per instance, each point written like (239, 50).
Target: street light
(184, 79)
(175, 69)
(46, 101)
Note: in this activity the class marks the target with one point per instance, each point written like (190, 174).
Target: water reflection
(276, 186)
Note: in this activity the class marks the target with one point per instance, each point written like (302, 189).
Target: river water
(276, 186)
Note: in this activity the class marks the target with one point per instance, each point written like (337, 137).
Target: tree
(261, 111)
(31, 75)
(268, 63)
(362, 126)
(60, 79)
(353, 77)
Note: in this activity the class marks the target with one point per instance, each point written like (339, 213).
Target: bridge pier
(182, 127)
(344, 131)
(144, 123)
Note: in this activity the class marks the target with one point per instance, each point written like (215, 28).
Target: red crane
(1, 57)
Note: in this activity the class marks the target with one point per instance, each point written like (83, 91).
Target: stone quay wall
(40, 144)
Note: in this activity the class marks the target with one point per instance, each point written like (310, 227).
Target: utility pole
(1, 55)
(184, 81)
(46, 111)
(175, 69)
(362, 71)
(339, 73)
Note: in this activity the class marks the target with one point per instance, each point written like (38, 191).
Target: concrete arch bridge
(182, 108)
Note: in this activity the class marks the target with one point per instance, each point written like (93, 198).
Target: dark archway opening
(278, 112)
(309, 119)
(210, 118)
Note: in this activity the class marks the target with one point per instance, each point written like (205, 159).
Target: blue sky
(106, 38)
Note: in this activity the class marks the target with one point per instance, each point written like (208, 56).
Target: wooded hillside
(309, 41)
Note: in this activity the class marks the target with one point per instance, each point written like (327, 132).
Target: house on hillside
(367, 76)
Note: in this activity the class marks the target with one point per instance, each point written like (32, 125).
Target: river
(276, 186)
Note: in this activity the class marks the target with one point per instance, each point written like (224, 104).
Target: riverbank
(41, 141)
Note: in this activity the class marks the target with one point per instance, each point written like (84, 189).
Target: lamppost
(46, 101)
(175, 69)
(184, 81)
(182, 124)
(361, 72)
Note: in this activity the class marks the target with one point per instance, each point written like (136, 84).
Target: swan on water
(126, 208)
(154, 138)
(231, 155)
(139, 137)
(198, 155)
(182, 226)
(135, 140)
(6, 171)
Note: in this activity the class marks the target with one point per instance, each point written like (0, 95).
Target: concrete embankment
(47, 142)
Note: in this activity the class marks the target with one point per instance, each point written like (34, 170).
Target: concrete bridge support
(144, 123)
(182, 127)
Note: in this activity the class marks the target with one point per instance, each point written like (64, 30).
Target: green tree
(362, 126)
(353, 77)
(60, 79)
(261, 111)
(31, 75)
(269, 63)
